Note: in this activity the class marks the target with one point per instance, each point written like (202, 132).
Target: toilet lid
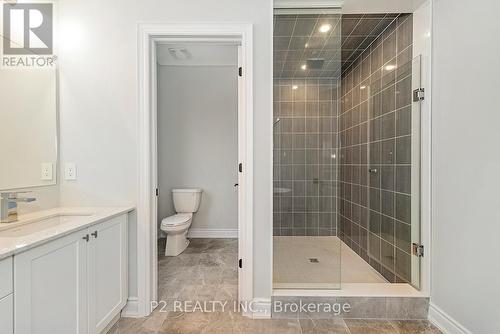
(177, 219)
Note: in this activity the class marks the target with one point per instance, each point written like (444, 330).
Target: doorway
(211, 36)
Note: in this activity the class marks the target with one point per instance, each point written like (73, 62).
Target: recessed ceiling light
(304, 67)
(295, 87)
(325, 28)
(362, 87)
(306, 45)
(390, 67)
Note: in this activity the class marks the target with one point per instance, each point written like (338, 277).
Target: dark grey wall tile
(389, 47)
(374, 246)
(376, 58)
(403, 87)
(387, 203)
(375, 132)
(387, 151)
(387, 230)
(387, 255)
(388, 126)
(403, 207)
(403, 150)
(405, 33)
(403, 236)
(403, 121)
(403, 179)
(387, 174)
(403, 264)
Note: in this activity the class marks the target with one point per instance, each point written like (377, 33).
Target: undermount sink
(29, 226)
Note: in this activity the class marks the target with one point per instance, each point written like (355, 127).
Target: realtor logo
(27, 29)
(28, 35)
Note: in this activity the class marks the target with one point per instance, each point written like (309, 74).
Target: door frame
(148, 36)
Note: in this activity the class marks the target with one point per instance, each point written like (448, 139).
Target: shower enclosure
(307, 69)
(346, 149)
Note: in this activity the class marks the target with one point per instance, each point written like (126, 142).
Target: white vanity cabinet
(6, 300)
(50, 287)
(72, 285)
(108, 275)
(7, 314)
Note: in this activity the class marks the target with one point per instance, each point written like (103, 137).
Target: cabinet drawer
(7, 315)
(6, 285)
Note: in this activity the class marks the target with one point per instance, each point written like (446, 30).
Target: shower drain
(313, 260)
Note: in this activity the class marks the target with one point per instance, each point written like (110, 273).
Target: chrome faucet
(8, 205)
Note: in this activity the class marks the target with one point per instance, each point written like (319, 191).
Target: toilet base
(176, 243)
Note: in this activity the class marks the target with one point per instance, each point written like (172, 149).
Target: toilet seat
(177, 220)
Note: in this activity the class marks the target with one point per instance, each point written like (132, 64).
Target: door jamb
(148, 36)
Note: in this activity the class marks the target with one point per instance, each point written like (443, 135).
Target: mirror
(28, 128)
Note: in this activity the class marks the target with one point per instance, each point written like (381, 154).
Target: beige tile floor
(337, 263)
(207, 270)
(222, 323)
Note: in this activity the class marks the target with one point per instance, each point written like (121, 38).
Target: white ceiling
(380, 6)
(355, 6)
(197, 54)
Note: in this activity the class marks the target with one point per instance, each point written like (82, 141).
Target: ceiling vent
(179, 53)
(315, 63)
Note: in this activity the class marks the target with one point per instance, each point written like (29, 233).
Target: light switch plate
(70, 171)
(47, 173)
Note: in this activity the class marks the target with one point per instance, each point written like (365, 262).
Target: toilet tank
(186, 200)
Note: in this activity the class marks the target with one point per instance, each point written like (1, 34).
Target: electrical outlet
(46, 172)
(70, 171)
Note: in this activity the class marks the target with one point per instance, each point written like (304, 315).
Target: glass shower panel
(393, 170)
(307, 69)
(416, 131)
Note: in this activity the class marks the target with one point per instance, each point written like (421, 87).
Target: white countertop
(40, 227)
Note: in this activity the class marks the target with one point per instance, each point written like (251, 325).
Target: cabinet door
(108, 278)
(50, 287)
(7, 315)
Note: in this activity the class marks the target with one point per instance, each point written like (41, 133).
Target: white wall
(198, 140)
(99, 113)
(466, 117)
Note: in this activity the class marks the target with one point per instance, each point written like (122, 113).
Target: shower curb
(387, 308)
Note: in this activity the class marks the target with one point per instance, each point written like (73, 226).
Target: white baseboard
(115, 319)
(259, 308)
(131, 309)
(212, 233)
(445, 322)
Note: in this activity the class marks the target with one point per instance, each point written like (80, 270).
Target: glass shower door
(393, 170)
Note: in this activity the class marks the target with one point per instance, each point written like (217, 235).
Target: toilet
(186, 203)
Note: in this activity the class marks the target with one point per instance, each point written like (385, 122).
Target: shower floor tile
(318, 262)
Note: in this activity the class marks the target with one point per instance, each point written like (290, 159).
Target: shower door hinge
(240, 168)
(240, 71)
(418, 249)
(157, 192)
(240, 263)
(418, 95)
